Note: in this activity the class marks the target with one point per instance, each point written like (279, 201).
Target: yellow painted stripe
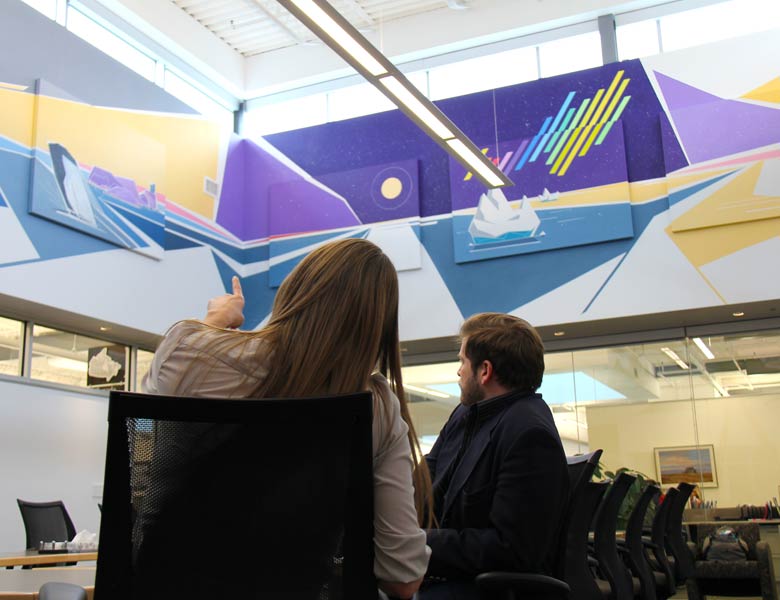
(592, 137)
(615, 100)
(574, 151)
(607, 96)
(469, 175)
(578, 133)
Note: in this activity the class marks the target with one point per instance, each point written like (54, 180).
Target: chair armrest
(648, 543)
(54, 590)
(593, 561)
(523, 584)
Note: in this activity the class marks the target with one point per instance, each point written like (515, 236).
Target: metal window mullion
(26, 366)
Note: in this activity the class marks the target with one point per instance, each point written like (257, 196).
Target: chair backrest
(581, 468)
(636, 551)
(658, 537)
(209, 498)
(45, 522)
(576, 571)
(683, 561)
(604, 542)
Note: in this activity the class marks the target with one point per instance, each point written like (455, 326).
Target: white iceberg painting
(496, 220)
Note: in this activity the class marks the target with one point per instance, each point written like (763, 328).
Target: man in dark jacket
(498, 468)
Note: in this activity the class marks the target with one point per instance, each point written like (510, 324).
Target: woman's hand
(226, 311)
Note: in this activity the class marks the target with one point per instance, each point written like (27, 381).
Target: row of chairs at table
(593, 564)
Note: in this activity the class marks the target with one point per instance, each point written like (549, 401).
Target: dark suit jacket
(506, 500)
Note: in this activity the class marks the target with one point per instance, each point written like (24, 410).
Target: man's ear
(485, 372)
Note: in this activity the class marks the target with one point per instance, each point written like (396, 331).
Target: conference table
(23, 584)
(34, 558)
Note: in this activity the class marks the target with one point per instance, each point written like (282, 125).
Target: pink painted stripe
(733, 161)
(504, 160)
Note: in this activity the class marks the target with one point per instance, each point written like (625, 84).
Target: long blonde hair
(334, 322)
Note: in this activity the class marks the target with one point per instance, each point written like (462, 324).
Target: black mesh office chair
(655, 548)
(676, 544)
(610, 564)
(45, 522)
(635, 546)
(510, 586)
(208, 498)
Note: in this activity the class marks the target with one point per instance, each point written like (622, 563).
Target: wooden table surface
(31, 557)
(23, 584)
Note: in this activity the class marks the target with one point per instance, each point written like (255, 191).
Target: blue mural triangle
(512, 281)
(153, 230)
(177, 242)
(258, 294)
(680, 195)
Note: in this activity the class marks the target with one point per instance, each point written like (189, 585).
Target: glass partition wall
(700, 409)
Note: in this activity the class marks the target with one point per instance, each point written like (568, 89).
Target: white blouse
(400, 552)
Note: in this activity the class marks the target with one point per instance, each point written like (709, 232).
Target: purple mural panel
(602, 165)
(231, 200)
(252, 170)
(674, 157)
(379, 192)
(302, 207)
(712, 127)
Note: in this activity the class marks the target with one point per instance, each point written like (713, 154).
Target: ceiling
(253, 27)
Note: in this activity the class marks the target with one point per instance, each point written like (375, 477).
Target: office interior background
(221, 138)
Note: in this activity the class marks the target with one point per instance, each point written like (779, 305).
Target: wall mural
(640, 187)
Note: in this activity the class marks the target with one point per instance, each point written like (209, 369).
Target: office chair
(208, 498)
(635, 547)
(655, 548)
(610, 564)
(753, 576)
(510, 586)
(45, 522)
(675, 543)
(61, 591)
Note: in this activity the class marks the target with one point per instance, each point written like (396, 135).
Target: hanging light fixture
(333, 29)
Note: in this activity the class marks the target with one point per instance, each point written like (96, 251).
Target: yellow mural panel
(16, 115)
(735, 202)
(602, 194)
(173, 152)
(644, 191)
(769, 92)
(702, 246)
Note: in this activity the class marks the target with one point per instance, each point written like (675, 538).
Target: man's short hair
(512, 346)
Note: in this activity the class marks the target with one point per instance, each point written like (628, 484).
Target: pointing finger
(237, 287)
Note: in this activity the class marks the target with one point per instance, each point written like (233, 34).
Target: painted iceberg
(496, 220)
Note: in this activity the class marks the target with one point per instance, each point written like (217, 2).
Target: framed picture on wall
(691, 464)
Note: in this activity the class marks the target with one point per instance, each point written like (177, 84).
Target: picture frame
(689, 464)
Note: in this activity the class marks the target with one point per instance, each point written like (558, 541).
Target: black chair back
(45, 522)
(658, 538)
(576, 570)
(675, 543)
(636, 551)
(208, 498)
(604, 541)
(581, 468)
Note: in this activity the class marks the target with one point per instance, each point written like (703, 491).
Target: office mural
(640, 187)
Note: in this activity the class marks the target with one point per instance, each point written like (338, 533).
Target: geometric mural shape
(768, 92)
(494, 225)
(711, 127)
(732, 202)
(768, 183)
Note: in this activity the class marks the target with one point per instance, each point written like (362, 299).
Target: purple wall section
(710, 127)
(262, 196)
(391, 137)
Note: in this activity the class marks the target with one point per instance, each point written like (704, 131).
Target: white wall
(742, 430)
(52, 447)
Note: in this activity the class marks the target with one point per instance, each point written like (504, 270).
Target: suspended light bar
(421, 390)
(333, 29)
(704, 348)
(675, 357)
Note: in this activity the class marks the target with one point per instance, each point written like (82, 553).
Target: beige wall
(745, 433)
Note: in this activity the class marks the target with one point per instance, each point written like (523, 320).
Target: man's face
(471, 391)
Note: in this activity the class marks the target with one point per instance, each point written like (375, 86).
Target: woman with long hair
(333, 329)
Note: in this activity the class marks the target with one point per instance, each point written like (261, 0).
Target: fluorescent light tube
(703, 347)
(474, 162)
(422, 112)
(426, 391)
(341, 37)
(675, 357)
